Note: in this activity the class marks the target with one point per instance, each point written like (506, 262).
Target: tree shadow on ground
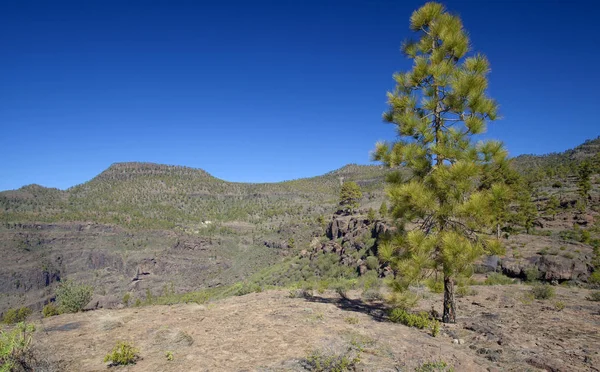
(377, 311)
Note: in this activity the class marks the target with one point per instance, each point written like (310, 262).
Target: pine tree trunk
(449, 305)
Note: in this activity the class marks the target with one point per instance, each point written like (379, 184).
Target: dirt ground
(500, 328)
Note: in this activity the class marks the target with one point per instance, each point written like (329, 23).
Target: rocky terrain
(139, 227)
(499, 329)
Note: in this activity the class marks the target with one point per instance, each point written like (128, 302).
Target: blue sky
(263, 91)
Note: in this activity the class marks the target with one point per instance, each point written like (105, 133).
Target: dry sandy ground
(502, 329)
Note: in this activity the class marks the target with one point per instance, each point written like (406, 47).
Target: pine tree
(350, 196)
(584, 171)
(526, 209)
(552, 206)
(438, 107)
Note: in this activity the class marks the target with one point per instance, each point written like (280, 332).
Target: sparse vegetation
(420, 320)
(498, 279)
(50, 310)
(594, 296)
(12, 316)
(122, 354)
(321, 361)
(439, 366)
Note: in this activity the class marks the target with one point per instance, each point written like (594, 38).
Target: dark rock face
(551, 268)
(347, 234)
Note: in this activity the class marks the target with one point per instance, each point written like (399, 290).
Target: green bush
(498, 279)
(15, 347)
(532, 274)
(123, 353)
(420, 320)
(542, 291)
(12, 316)
(73, 297)
(50, 310)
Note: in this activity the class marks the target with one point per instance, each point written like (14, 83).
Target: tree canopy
(437, 108)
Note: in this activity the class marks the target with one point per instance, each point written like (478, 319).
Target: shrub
(532, 273)
(433, 367)
(169, 356)
(420, 320)
(123, 353)
(50, 310)
(247, 288)
(126, 298)
(542, 292)
(498, 279)
(73, 297)
(559, 305)
(372, 294)
(404, 299)
(15, 347)
(319, 361)
(16, 315)
(594, 296)
(372, 262)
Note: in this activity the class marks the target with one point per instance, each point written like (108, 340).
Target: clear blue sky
(263, 91)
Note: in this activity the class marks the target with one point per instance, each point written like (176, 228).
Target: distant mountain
(147, 195)
(566, 159)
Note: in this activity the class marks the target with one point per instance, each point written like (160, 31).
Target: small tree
(437, 107)
(383, 210)
(526, 212)
(371, 215)
(350, 196)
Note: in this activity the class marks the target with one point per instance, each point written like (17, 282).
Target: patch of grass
(438, 366)
(15, 347)
(559, 305)
(542, 291)
(435, 328)
(498, 279)
(420, 320)
(594, 296)
(122, 354)
(12, 316)
(169, 356)
(351, 320)
(320, 361)
(50, 310)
